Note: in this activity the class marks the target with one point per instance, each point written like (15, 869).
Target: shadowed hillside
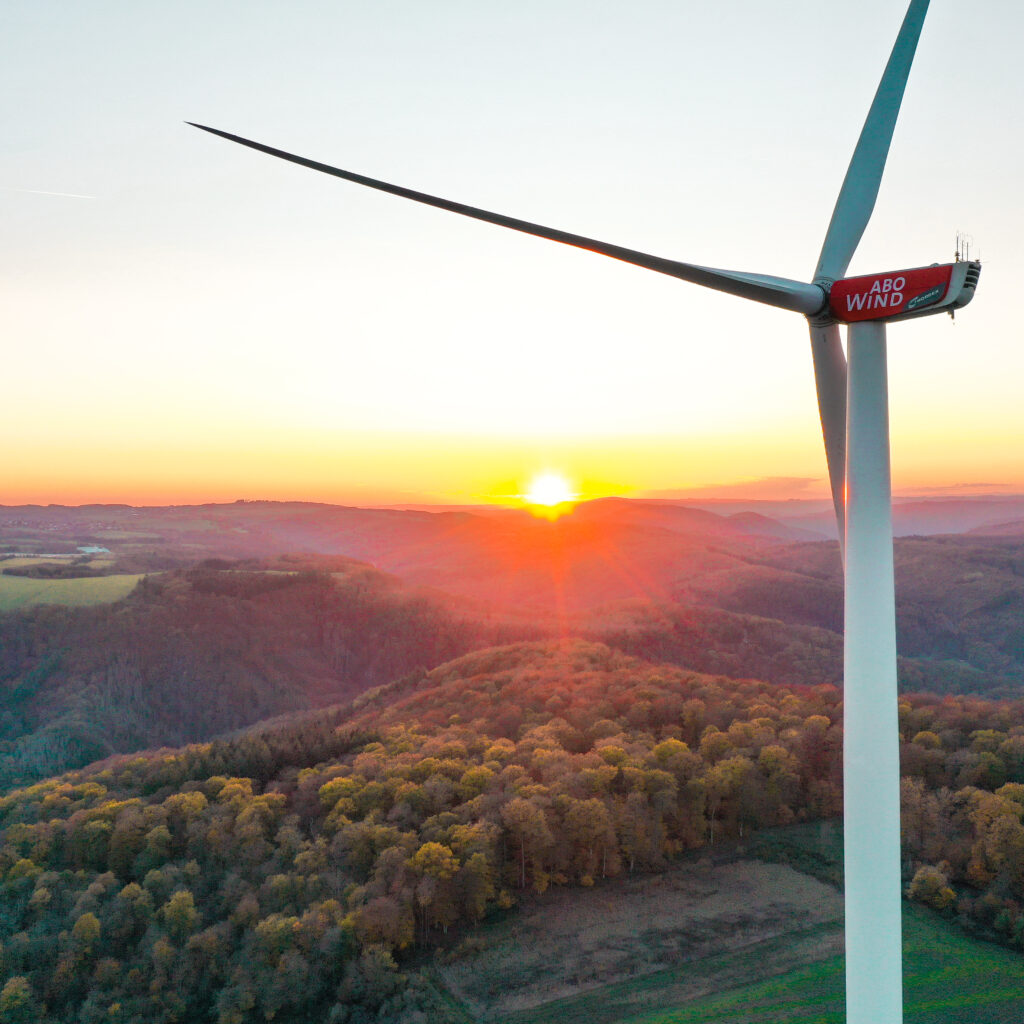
(192, 653)
(959, 605)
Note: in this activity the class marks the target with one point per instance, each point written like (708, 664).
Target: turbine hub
(823, 317)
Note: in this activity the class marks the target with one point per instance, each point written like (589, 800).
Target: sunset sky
(213, 324)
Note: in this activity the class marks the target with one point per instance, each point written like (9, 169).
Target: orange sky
(387, 469)
(208, 323)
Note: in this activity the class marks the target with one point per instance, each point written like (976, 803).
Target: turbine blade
(830, 382)
(775, 291)
(864, 175)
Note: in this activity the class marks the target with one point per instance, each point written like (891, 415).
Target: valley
(353, 765)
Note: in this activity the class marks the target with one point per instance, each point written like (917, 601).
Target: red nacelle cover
(881, 296)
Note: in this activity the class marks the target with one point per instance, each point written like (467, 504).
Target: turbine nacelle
(904, 294)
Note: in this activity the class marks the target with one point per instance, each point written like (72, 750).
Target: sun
(549, 491)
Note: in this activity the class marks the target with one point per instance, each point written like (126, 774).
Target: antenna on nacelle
(963, 247)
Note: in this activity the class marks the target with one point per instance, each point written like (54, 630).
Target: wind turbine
(853, 403)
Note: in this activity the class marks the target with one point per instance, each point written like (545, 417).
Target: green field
(644, 943)
(949, 978)
(623, 1001)
(24, 561)
(22, 591)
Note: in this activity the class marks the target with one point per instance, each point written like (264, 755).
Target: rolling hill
(193, 652)
(366, 862)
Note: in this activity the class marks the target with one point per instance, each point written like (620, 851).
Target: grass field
(689, 984)
(949, 978)
(597, 956)
(787, 971)
(22, 591)
(24, 561)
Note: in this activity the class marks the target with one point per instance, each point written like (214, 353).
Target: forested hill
(193, 653)
(959, 604)
(303, 872)
(960, 599)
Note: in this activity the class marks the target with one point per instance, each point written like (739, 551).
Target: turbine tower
(853, 403)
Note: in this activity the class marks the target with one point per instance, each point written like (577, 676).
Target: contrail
(40, 192)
